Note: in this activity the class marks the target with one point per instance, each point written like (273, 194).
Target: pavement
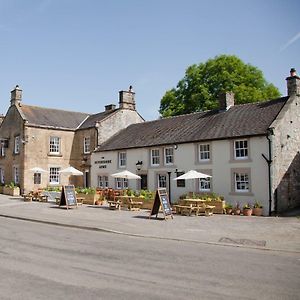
(265, 233)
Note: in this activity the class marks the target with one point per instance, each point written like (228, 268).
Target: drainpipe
(169, 181)
(269, 162)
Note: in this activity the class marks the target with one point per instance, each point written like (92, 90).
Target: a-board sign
(161, 200)
(68, 196)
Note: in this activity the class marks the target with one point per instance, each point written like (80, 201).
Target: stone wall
(285, 155)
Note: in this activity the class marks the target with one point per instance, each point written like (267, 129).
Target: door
(144, 182)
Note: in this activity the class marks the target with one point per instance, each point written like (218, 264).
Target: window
(121, 183)
(241, 149)
(37, 178)
(16, 175)
(155, 157)
(204, 184)
(241, 182)
(169, 156)
(54, 145)
(102, 181)
(54, 176)
(2, 175)
(2, 150)
(122, 159)
(180, 182)
(86, 145)
(204, 152)
(162, 181)
(17, 145)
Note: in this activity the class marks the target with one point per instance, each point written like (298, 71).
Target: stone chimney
(126, 99)
(16, 96)
(110, 107)
(226, 100)
(293, 83)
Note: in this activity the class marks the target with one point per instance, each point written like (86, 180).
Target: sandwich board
(68, 196)
(161, 200)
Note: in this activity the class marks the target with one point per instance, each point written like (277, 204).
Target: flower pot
(257, 211)
(229, 211)
(12, 191)
(247, 211)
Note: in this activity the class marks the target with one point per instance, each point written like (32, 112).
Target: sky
(78, 54)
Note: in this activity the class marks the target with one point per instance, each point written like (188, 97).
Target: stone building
(53, 139)
(250, 150)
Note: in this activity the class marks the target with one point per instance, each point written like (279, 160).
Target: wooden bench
(114, 204)
(27, 197)
(186, 209)
(134, 205)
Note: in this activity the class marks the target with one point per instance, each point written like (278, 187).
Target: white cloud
(290, 42)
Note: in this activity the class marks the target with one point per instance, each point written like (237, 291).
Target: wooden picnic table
(196, 206)
(130, 202)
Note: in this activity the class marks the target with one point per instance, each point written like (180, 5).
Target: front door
(144, 182)
(86, 179)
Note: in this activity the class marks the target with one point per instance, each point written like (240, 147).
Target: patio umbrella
(71, 171)
(125, 174)
(38, 170)
(192, 174)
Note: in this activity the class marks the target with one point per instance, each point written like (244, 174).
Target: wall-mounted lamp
(139, 165)
(175, 146)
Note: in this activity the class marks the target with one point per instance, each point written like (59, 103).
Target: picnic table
(196, 206)
(130, 201)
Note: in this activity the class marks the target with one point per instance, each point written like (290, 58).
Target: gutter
(269, 162)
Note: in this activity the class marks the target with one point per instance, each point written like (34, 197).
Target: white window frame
(17, 145)
(241, 149)
(102, 181)
(122, 159)
(16, 174)
(2, 175)
(241, 182)
(161, 180)
(54, 174)
(169, 156)
(204, 152)
(86, 145)
(121, 183)
(2, 150)
(155, 157)
(205, 184)
(54, 145)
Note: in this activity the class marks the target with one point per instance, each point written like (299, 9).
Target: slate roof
(52, 117)
(239, 121)
(92, 119)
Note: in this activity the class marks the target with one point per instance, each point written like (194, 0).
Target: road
(40, 261)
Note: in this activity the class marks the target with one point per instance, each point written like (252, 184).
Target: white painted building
(250, 150)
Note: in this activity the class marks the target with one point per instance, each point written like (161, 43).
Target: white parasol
(71, 171)
(38, 170)
(192, 174)
(125, 174)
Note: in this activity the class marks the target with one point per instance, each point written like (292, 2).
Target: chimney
(293, 83)
(16, 96)
(110, 107)
(126, 99)
(226, 100)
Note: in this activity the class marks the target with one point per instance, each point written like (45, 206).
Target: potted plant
(237, 209)
(247, 210)
(229, 209)
(257, 209)
(89, 194)
(11, 189)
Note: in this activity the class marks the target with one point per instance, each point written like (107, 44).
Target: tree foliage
(202, 84)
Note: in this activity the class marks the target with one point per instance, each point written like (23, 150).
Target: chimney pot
(226, 100)
(293, 83)
(126, 99)
(16, 96)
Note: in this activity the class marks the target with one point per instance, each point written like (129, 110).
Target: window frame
(242, 150)
(204, 151)
(206, 181)
(159, 181)
(102, 181)
(16, 173)
(121, 183)
(2, 175)
(156, 157)
(54, 145)
(122, 161)
(37, 178)
(170, 155)
(87, 145)
(241, 182)
(57, 175)
(17, 144)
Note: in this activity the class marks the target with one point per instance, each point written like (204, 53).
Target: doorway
(144, 182)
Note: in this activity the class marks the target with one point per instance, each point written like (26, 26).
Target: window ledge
(247, 160)
(55, 155)
(241, 194)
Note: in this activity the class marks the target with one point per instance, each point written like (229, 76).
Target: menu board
(68, 196)
(161, 200)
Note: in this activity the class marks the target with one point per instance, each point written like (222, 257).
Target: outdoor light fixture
(175, 146)
(139, 165)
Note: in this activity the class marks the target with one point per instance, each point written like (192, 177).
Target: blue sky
(78, 54)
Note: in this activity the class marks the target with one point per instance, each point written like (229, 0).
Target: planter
(236, 211)
(88, 198)
(229, 211)
(147, 204)
(247, 211)
(1, 189)
(15, 191)
(219, 206)
(257, 211)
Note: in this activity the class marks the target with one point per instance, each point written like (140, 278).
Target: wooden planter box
(147, 203)
(11, 191)
(219, 206)
(88, 198)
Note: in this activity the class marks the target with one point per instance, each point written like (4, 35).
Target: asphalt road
(40, 261)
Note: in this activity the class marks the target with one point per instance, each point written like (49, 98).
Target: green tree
(202, 84)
